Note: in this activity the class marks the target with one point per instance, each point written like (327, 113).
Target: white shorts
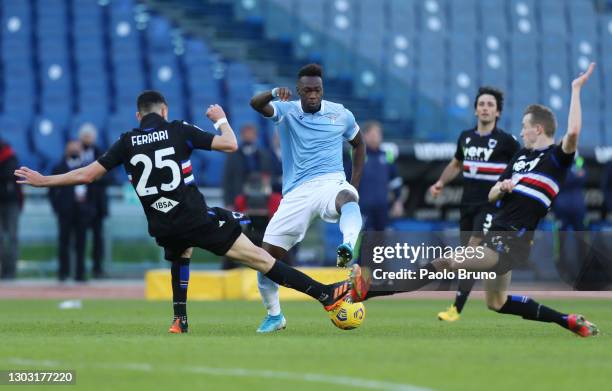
(302, 205)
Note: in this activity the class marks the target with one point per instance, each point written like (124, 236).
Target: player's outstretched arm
(226, 142)
(261, 102)
(500, 188)
(574, 120)
(79, 176)
(452, 169)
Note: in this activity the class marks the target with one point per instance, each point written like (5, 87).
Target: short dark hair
(147, 99)
(311, 70)
(542, 115)
(497, 94)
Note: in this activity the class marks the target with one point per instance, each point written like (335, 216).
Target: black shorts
(512, 246)
(217, 236)
(475, 220)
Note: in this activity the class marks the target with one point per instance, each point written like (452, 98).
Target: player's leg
(498, 300)
(351, 222)
(244, 251)
(286, 228)
(179, 271)
(360, 277)
(466, 225)
(268, 289)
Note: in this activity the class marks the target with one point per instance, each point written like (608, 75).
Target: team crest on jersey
(492, 143)
(473, 169)
(332, 118)
(164, 204)
(467, 140)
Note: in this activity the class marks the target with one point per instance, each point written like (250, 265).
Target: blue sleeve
(351, 126)
(280, 109)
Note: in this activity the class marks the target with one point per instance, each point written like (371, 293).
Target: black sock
(285, 275)
(180, 283)
(411, 285)
(380, 293)
(529, 309)
(463, 292)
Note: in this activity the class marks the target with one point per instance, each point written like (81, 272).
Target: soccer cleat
(272, 323)
(360, 283)
(580, 326)
(179, 326)
(340, 291)
(450, 315)
(344, 255)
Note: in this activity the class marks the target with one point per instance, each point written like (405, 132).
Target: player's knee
(187, 253)
(343, 197)
(262, 259)
(495, 303)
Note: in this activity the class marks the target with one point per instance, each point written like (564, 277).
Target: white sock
(350, 223)
(268, 290)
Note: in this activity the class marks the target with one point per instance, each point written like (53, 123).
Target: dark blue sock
(530, 309)
(180, 282)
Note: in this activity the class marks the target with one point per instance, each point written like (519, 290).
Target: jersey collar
(320, 112)
(151, 121)
(484, 135)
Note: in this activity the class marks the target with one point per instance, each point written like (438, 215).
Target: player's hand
(29, 177)
(506, 186)
(282, 93)
(580, 80)
(215, 113)
(436, 189)
(397, 209)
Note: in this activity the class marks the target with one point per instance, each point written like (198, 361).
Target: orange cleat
(178, 327)
(580, 326)
(341, 290)
(360, 282)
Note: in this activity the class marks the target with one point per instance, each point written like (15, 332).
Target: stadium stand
(66, 62)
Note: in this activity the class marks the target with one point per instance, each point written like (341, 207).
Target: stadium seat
(213, 169)
(522, 17)
(552, 17)
(431, 57)
(251, 11)
(493, 19)
(49, 138)
(582, 19)
(279, 17)
(402, 17)
(463, 18)
(494, 63)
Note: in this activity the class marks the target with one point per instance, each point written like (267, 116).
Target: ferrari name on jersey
(147, 138)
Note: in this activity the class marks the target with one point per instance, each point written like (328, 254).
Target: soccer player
(482, 155)
(156, 158)
(311, 131)
(525, 190)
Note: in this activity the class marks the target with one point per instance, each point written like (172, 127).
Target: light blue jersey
(311, 144)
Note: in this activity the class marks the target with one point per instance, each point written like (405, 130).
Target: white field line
(232, 372)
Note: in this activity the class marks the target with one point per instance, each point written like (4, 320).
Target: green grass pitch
(123, 345)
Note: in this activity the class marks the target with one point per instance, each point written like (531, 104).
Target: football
(347, 315)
